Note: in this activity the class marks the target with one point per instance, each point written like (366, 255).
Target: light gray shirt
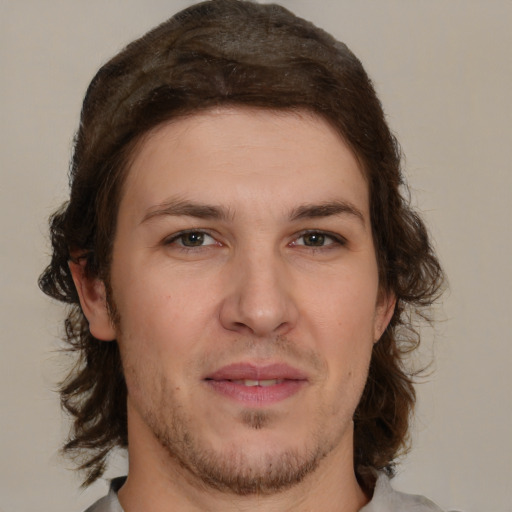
(385, 499)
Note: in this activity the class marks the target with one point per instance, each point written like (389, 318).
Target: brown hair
(232, 52)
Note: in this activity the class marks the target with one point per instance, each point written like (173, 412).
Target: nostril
(241, 327)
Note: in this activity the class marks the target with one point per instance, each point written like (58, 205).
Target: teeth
(269, 382)
(250, 383)
(262, 383)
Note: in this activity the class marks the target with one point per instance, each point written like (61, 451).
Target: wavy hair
(234, 52)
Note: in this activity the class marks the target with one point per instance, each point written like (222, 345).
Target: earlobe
(383, 314)
(93, 299)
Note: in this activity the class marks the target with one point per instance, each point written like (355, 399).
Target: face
(245, 279)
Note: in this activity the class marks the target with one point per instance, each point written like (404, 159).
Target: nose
(260, 299)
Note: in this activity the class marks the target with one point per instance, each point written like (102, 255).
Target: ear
(93, 299)
(386, 303)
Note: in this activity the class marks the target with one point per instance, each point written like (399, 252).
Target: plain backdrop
(443, 70)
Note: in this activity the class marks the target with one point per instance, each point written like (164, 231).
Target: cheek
(158, 293)
(164, 316)
(344, 309)
(341, 321)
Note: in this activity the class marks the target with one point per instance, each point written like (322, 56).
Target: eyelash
(336, 240)
(180, 235)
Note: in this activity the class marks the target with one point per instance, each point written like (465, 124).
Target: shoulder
(386, 499)
(109, 503)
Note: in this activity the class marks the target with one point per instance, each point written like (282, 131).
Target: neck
(158, 483)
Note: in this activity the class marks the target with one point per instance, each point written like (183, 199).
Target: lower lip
(257, 395)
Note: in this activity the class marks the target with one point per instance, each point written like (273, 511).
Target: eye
(318, 239)
(191, 239)
(314, 239)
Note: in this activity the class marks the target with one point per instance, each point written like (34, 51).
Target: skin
(259, 278)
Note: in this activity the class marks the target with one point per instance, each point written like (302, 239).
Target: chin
(266, 467)
(255, 457)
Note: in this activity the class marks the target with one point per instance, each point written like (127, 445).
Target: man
(242, 271)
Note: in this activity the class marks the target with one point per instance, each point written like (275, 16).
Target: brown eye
(193, 239)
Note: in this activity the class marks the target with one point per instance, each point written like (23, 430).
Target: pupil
(193, 239)
(314, 239)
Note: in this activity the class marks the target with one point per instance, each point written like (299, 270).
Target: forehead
(243, 155)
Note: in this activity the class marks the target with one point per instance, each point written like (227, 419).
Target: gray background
(443, 70)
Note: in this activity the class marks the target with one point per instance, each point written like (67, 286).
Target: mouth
(253, 385)
(263, 383)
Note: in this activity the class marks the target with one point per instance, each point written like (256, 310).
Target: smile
(253, 385)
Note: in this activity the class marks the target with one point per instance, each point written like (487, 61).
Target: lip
(228, 381)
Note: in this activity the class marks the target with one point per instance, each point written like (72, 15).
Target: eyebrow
(205, 211)
(188, 209)
(326, 209)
